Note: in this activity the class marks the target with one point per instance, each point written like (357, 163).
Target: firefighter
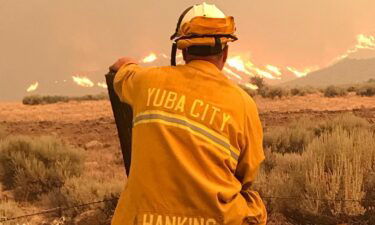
(197, 137)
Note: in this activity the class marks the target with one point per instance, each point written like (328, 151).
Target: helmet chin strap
(173, 54)
(174, 46)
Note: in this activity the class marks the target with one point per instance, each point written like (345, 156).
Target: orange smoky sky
(50, 40)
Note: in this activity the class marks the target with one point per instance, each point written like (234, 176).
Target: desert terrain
(89, 125)
(82, 122)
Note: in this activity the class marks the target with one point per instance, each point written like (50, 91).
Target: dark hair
(204, 50)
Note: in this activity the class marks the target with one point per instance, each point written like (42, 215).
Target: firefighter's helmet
(203, 25)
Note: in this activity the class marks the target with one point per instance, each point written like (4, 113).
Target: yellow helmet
(203, 25)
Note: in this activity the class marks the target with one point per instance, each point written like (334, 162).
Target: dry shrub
(41, 100)
(258, 81)
(33, 166)
(10, 209)
(249, 91)
(346, 121)
(302, 91)
(296, 137)
(335, 166)
(273, 92)
(370, 194)
(288, 140)
(338, 163)
(366, 90)
(333, 91)
(3, 132)
(48, 99)
(352, 88)
(82, 190)
(101, 96)
(277, 180)
(292, 139)
(297, 92)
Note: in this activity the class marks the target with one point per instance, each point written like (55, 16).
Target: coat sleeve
(251, 156)
(124, 82)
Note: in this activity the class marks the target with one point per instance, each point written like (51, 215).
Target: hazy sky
(50, 40)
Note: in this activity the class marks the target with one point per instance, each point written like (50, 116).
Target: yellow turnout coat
(197, 146)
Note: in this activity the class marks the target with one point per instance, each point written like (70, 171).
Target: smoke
(49, 41)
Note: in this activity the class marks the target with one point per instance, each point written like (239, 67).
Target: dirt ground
(80, 123)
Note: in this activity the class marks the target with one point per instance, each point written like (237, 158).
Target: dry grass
(10, 209)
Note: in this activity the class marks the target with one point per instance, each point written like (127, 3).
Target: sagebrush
(336, 161)
(33, 166)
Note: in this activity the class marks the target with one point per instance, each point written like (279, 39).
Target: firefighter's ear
(225, 54)
(184, 55)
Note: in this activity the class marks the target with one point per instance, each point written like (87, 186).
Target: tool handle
(123, 114)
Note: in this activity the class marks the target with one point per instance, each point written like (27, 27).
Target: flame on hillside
(239, 67)
(299, 73)
(102, 85)
(266, 74)
(251, 86)
(274, 69)
(249, 68)
(239, 64)
(165, 56)
(230, 72)
(363, 42)
(33, 87)
(83, 81)
(150, 58)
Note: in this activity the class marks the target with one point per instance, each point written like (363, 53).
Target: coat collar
(205, 67)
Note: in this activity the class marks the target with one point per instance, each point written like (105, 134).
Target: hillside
(347, 71)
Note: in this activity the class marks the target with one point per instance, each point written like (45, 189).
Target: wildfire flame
(150, 58)
(239, 64)
(102, 85)
(33, 87)
(265, 74)
(82, 81)
(365, 42)
(274, 69)
(299, 73)
(248, 68)
(229, 71)
(251, 86)
(164, 56)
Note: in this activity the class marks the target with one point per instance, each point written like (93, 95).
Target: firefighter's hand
(120, 62)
